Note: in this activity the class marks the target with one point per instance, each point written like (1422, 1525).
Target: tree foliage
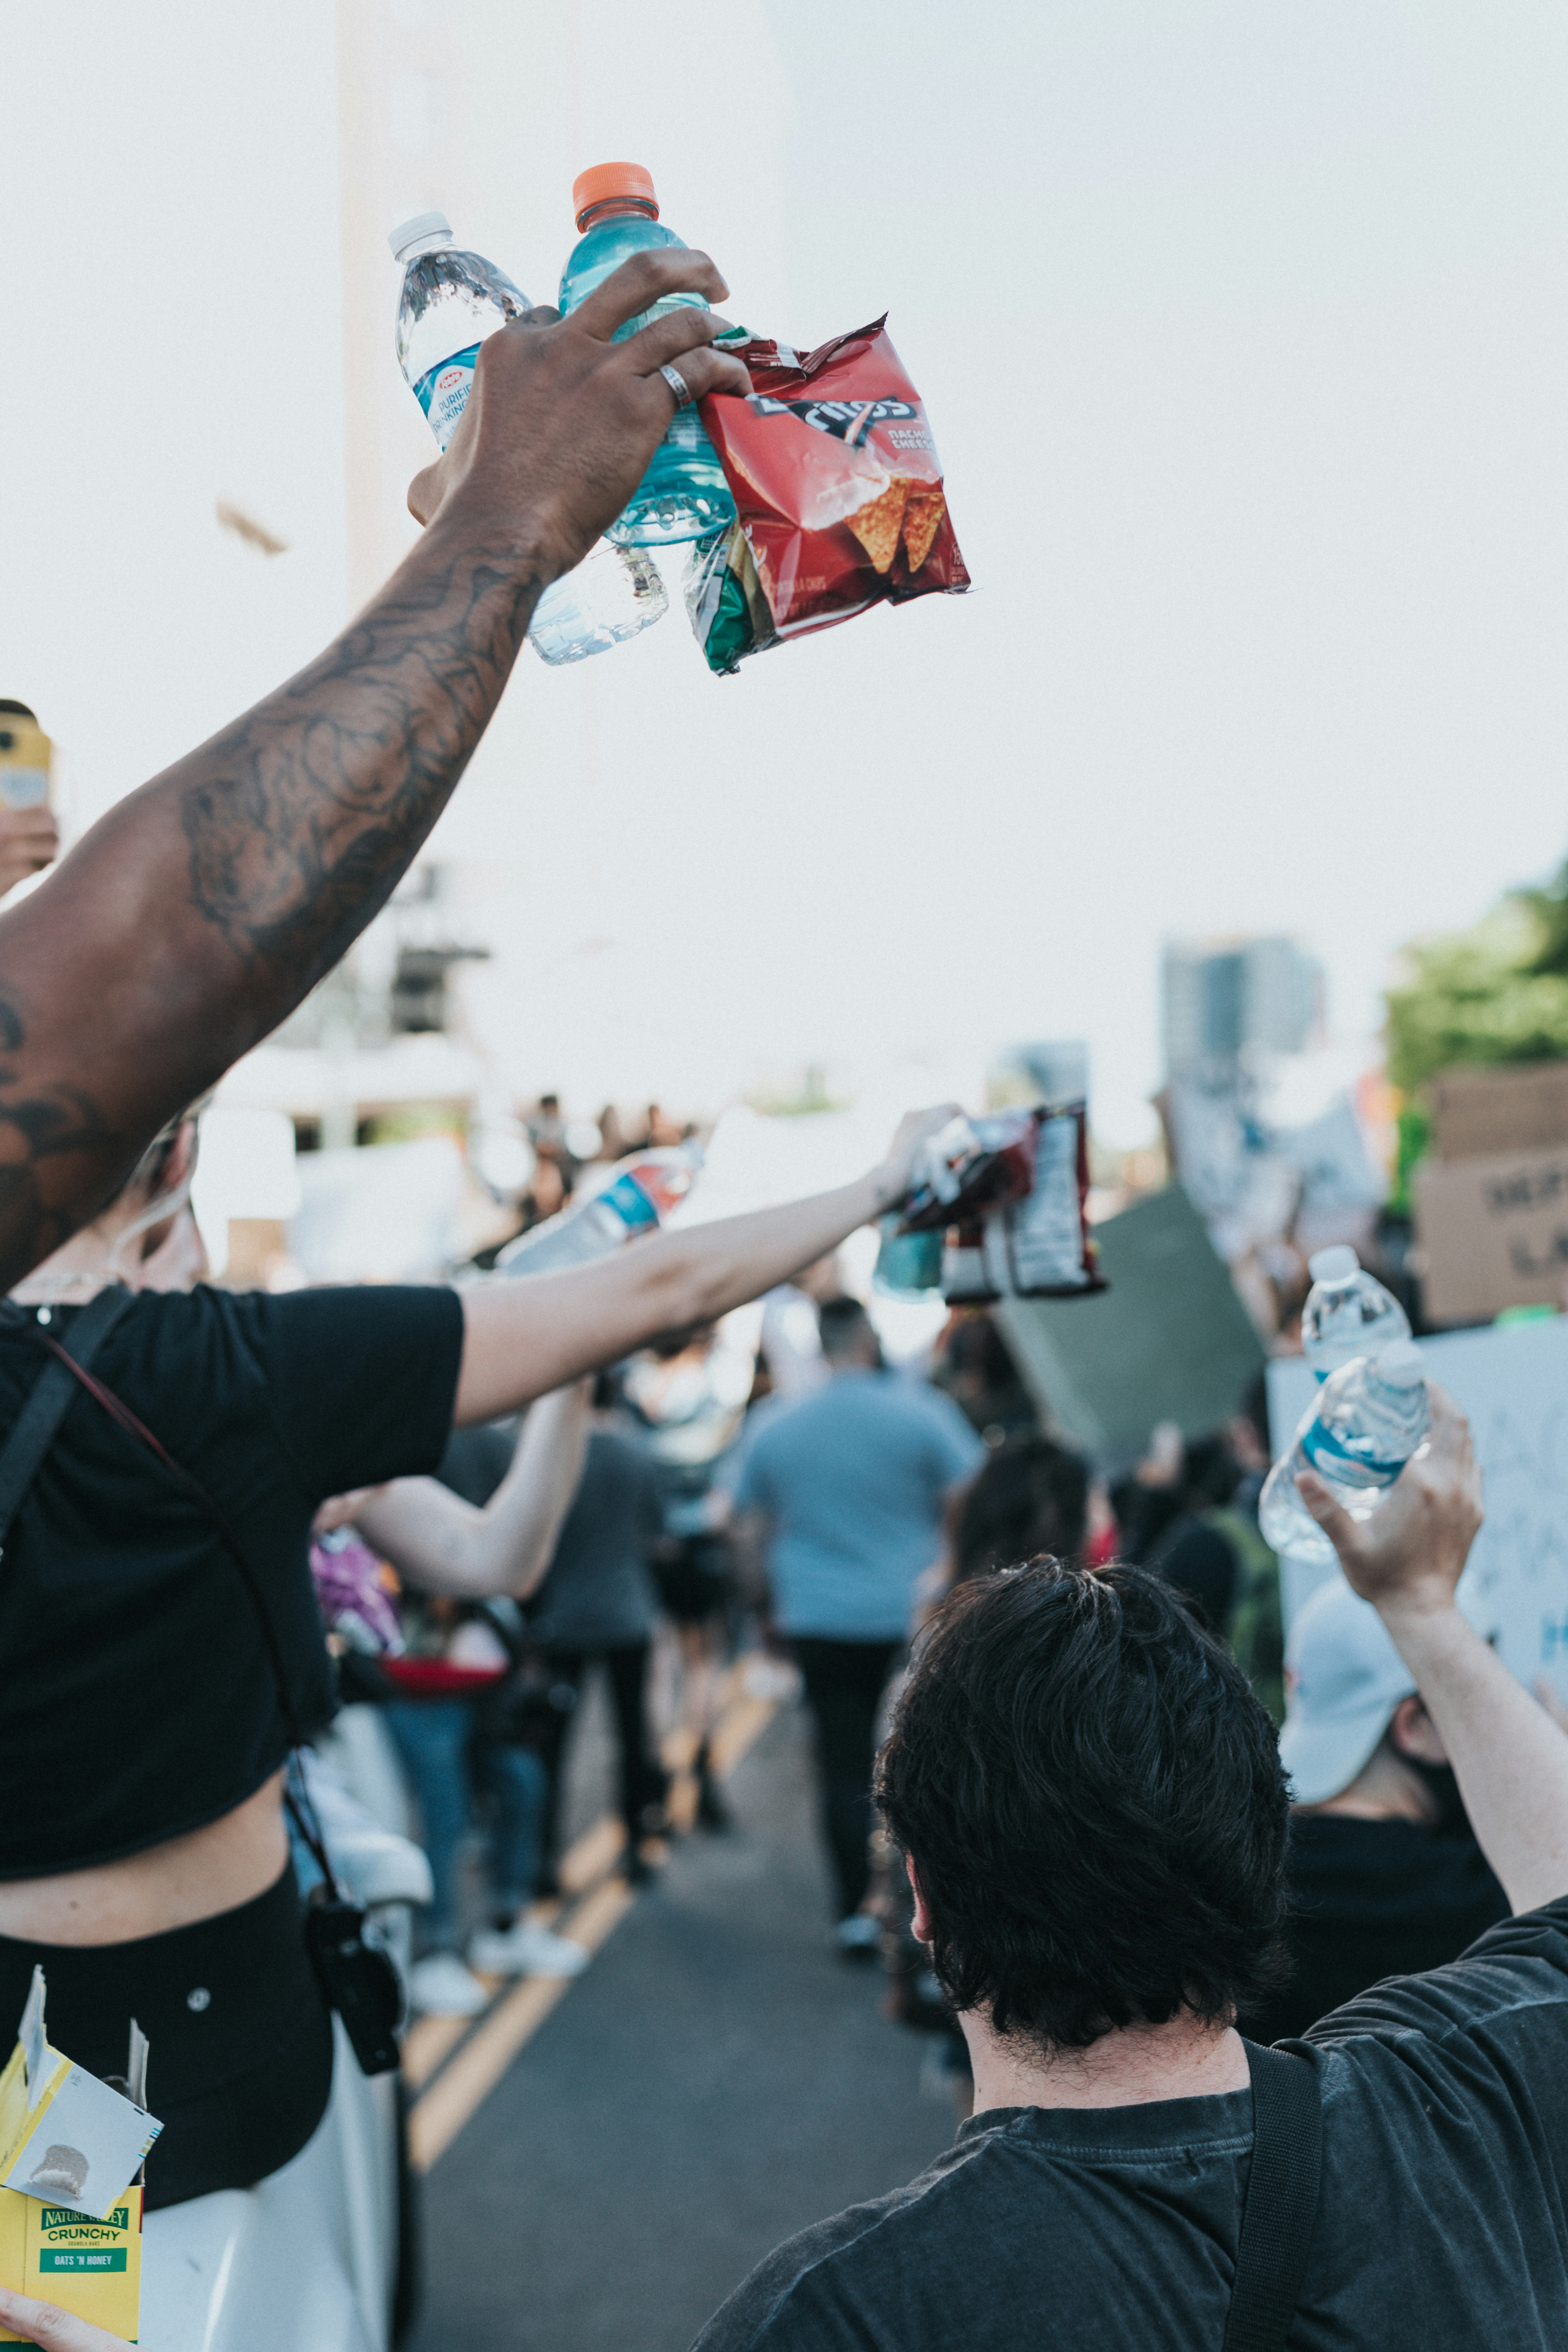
(1497, 993)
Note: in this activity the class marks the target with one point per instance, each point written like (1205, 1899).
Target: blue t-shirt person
(852, 1480)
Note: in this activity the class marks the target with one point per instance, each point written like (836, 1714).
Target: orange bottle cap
(604, 183)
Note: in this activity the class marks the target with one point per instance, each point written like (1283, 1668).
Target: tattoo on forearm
(298, 822)
(315, 803)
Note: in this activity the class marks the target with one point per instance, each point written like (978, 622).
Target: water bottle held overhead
(1348, 1312)
(637, 1197)
(1360, 1431)
(683, 495)
(451, 302)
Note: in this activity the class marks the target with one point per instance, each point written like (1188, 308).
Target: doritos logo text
(845, 420)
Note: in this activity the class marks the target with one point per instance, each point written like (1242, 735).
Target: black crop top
(136, 1699)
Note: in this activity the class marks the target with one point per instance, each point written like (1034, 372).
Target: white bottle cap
(1400, 1365)
(423, 224)
(1336, 1264)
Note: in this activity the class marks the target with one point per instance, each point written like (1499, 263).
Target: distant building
(1221, 998)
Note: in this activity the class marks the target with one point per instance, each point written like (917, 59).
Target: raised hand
(562, 423)
(1408, 1557)
(29, 840)
(896, 1173)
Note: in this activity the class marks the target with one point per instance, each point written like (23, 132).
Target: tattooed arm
(198, 912)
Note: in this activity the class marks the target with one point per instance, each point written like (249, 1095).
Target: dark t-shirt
(1201, 1562)
(138, 1701)
(598, 1594)
(1440, 2227)
(1370, 1900)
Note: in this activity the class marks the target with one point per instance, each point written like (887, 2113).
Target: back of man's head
(849, 1336)
(1093, 1802)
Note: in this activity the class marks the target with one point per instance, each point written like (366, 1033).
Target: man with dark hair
(844, 1491)
(1093, 1814)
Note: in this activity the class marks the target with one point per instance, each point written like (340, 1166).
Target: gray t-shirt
(852, 1477)
(1440, 2226)
(599, 1593)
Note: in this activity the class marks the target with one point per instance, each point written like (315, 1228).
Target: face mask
(1442, 1786)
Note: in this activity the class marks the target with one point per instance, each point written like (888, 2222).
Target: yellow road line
(440, 2111)
(439, 2115)
(738, 1727)
(427, 2041)
(596, 1851)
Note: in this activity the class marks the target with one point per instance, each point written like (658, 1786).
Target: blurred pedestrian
(841, 1497)
(598, 1604)
(1385, 1877)
(1031, 1497)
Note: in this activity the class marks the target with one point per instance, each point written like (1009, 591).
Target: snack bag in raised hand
(838, 491)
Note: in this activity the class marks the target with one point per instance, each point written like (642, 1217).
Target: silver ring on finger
(684, 396)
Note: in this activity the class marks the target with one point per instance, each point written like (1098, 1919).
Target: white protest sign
(1513, 1385)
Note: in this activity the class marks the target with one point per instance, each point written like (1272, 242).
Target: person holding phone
(30, 830)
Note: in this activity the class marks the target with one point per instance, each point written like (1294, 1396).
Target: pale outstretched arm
(524, 1334)
(440, 1543)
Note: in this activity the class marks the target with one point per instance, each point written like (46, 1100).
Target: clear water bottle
(683, 494)
(1348, 1312)
(641, 1194)
(452, 301)
(1361, 1428)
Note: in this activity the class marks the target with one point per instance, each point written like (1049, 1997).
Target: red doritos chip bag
(838, 494)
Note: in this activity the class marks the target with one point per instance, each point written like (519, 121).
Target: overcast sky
(1241, 328)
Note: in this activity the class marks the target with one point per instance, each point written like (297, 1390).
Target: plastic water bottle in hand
(451, 302)
(1348, 1312)
(639, 1194)
(1361, 1428)
(684, 493)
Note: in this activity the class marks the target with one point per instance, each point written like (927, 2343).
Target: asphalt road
(717, 2079)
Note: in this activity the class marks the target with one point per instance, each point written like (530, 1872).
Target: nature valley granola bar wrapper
(71, 2149)
(838, 491)
(93, 2268)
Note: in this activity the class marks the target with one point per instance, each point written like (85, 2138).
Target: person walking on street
(843, 1494)
(598, 1600)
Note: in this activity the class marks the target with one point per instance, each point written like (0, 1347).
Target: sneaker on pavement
(526, 1950)
(441, 1986)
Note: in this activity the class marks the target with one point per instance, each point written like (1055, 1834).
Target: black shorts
(239, 2065)
(692, 1588)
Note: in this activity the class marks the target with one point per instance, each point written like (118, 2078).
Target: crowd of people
(1101, 1819)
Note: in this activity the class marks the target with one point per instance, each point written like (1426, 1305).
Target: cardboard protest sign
(1512, 1384)
(1169, 1341)
(1493, 1233)
(1517, 1107)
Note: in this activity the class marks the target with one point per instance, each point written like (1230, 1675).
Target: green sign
(82, 2258)
(65, 2217)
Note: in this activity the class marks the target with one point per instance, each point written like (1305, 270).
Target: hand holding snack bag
(1006, 1194)
(838, 494)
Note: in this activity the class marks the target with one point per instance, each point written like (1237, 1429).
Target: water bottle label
(1324, 1450)
(443, 392)
(631, 1203)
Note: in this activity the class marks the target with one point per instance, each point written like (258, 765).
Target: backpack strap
(41, 1416)
(1281, 2199)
